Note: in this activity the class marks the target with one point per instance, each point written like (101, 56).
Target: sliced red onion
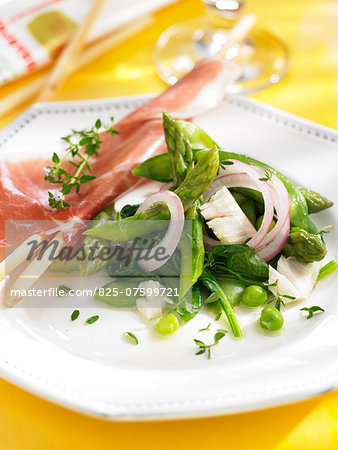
(175, 228)
(281, 201)
(167, 186)
(276, 245)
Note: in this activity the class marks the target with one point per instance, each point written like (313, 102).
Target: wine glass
(262, 56)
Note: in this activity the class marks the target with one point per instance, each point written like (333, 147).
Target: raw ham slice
(24, 193)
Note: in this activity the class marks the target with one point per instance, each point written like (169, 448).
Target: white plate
(93, 370)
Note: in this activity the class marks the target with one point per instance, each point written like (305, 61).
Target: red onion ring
(167, 186)
(175, 228)
(281, 201)
(276, 245)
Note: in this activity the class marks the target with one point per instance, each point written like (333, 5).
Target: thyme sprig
(268, 176)
(279, 298)
(312, 310)
(82, 144)
(207, 328)
(325, 230)
(204, 348)
(225, 163)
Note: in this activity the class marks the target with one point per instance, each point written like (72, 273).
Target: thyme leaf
(75, 315)
(206, 348)
(82, 144)
(268, 176)
(92, 319)
(312, 310)
(279, 298)
(130, 337)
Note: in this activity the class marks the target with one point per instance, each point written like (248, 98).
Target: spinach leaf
(239, 260)
(128, 211)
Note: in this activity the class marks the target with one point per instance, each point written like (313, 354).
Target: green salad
(250, 239)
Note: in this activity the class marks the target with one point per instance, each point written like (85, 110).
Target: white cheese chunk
(146, 310)
(285, 286)
(151, 306)
(303, 276)
(226, 219)
(295, 278)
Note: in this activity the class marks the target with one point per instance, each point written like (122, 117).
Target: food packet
(34, 32)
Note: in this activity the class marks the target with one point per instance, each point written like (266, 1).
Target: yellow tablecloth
(309, 90)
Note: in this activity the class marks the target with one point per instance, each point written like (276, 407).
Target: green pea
(271, 319)
(167, 324)
(259, 223)
(254, 296)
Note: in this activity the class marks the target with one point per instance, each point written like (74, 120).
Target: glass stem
(222, 14)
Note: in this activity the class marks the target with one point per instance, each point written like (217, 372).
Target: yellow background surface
(309, 28)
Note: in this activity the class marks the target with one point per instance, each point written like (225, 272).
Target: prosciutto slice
(24, 192)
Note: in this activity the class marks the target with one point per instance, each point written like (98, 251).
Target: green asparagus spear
(178, 135)
(304, 246)
(192, 252)
(315, 202)
(159, 167)
(198, 181)
(93, 265)
(179, 148)
(197, 137)
(196, 304)
(192, 258)
(197, 244)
